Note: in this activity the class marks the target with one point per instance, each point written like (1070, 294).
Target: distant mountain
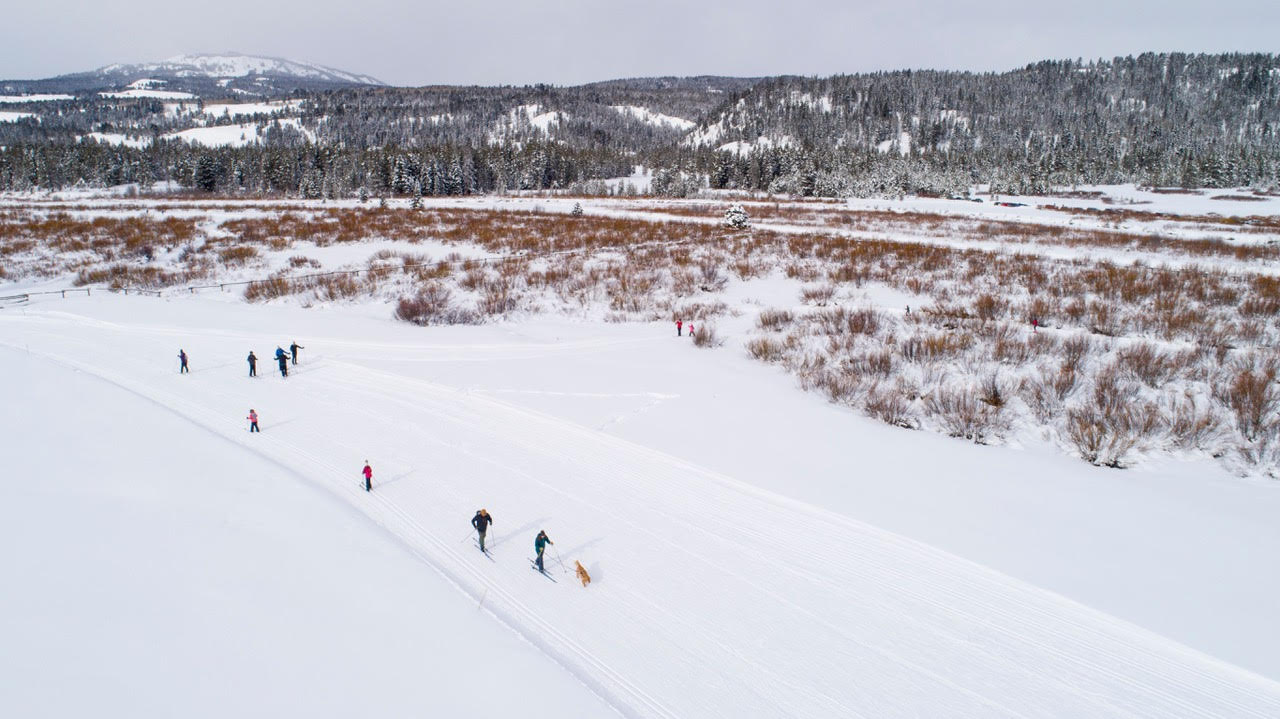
(204, 75)
(233, 65)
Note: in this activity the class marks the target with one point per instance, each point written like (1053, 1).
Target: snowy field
(755, 549)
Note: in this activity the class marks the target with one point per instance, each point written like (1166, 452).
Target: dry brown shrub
(1151, 364)
(268, 289)
(710, 276)
(1253, 397)
(747, 269)
(498, 297)
(1045, 393)
(841, 321)
(433, 305)
(335, 287)
(699, 311)
(987, 307)
(705, 336)
(890, 405)
(774, 320)
(877, 363)
(817, 294)
(1113, 421)
(1195, 425)
(993, 391)
(766, 349)
(963, 414)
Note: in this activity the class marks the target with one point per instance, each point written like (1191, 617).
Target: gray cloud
(574, 41)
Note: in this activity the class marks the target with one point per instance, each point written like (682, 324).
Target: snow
(238, 135)
(640, 179)
(657, 119)
(244, 109)
(902, 144)
(153, 94)
(137, 584)
(13, 99)
(538, 119)
(821, 103)
(756, 551)
(115, 138)
(6, 116)
(742, 147)
(708, 135)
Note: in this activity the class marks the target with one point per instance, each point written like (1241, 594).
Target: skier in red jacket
(679, 324)
(368, 476)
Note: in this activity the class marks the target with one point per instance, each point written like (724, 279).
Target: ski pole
(464, 538)
(562, 567)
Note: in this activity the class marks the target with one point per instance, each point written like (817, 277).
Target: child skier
(182, 362)
(253, 364)
(253, 421)
(540, 545)
(481, 522)
(368, 476)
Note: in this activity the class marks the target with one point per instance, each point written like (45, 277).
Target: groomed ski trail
(712, 598)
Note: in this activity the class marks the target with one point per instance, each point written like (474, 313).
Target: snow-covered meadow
(757, 549)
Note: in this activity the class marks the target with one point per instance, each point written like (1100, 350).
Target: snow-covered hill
(232, 65)
(188, 76)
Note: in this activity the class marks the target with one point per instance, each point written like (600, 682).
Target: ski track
(713, 598)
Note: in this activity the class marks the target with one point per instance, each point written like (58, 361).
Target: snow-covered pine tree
(736, 217)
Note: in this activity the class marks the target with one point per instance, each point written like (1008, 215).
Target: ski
(476, 544)
(543, 572)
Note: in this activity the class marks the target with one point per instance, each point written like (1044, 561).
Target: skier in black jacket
(182, 362)
(293, 351)
(253, 364)
(481, 522)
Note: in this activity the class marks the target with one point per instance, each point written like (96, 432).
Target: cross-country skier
(690, 330)
(253, 364)
(253, 421)
(540, 545)
(368, 476)
(282, 358)
(679, 324)
(481, 522)
(182, 362)
(293, 350)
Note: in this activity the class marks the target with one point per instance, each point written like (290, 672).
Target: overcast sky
(575, 41)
